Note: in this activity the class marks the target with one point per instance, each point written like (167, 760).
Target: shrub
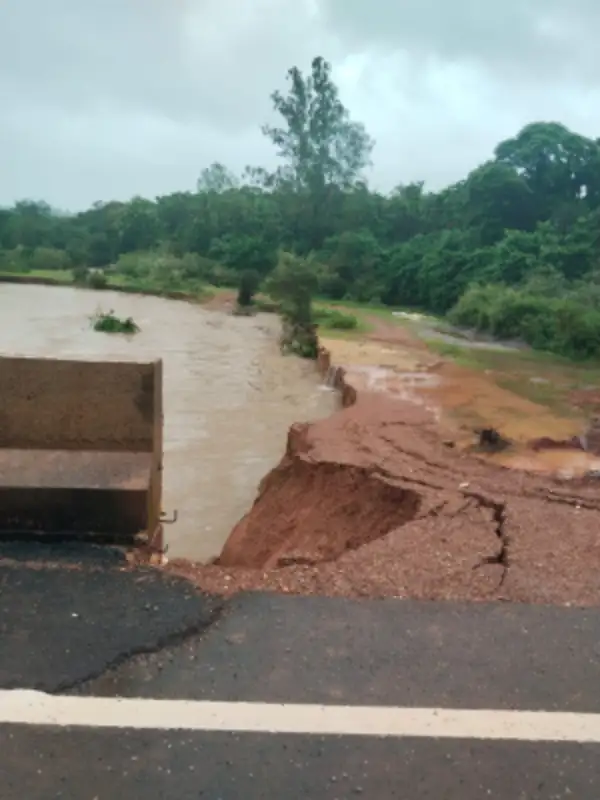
(110, 323)
(162, 271)
(131, 265)
(218, 275)
(293, 283)
(13, 261)
(560, 325)
(338, 320)
(80, 276)
(97, 280)
(51, 258)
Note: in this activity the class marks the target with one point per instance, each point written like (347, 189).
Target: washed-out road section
(268, 696)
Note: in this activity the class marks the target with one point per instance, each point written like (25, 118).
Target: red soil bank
(307, 513)
(372, 502)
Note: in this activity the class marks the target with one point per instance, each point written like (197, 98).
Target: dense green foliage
(512, 249)
(293, 284)
(108, 322)
(92, 278)
(335, 319)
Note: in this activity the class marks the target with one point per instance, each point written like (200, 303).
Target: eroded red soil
(379, 501)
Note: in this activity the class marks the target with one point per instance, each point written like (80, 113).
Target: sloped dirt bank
(308, 512)
(375, 501)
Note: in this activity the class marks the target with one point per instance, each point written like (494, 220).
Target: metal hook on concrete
(167, 521)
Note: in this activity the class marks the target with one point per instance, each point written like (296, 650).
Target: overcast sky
(103, 99)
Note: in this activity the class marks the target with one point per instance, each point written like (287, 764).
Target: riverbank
(389, 497)
(63, 278)
(571, 389)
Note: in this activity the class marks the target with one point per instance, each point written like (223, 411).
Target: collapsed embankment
(374, 501)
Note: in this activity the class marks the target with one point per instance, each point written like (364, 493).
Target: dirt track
(381, 500)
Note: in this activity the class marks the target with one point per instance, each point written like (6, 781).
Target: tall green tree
(497, 198)
(323, 149)
(559, 166)
(139, 226)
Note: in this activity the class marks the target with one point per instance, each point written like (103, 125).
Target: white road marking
(36, 708)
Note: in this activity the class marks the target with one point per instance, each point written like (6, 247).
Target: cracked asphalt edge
(171, 640)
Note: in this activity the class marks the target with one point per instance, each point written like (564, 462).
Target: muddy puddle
(562, 463)
(229, 395)
(465, 400)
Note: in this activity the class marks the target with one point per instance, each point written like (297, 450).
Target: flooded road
(229, 395)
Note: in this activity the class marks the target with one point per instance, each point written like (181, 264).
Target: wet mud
(391, 497)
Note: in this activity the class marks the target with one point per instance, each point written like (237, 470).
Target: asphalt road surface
(268, 696)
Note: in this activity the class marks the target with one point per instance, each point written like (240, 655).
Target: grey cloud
(526, 39)
(184, 60)
(153, 88)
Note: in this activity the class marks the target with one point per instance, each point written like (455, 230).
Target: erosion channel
(230, 396)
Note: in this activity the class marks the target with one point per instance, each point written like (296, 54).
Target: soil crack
(498, 510)
(575, 501)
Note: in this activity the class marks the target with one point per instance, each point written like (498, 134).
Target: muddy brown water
(229, 395)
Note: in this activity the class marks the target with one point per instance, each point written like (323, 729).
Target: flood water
(229, 395)
(433, 329)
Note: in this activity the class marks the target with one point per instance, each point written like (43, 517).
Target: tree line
(512, 249)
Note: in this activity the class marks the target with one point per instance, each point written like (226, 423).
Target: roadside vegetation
(510, 250)
(335, 320)
(293, 284)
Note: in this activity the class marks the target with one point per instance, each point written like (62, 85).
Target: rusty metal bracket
(152, 547)
(167, 521)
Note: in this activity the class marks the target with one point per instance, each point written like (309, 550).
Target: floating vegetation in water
(108, 322)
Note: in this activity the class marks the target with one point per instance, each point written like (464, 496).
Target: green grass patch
(194, 289)
(541, 377)
(544, 394)
(447, 350)
(334, 319)
(191, 289)
(331, 319)
(373, 309)
(58, 276)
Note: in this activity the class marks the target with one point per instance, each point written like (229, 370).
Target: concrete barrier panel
(81, 449)
(79, 405)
